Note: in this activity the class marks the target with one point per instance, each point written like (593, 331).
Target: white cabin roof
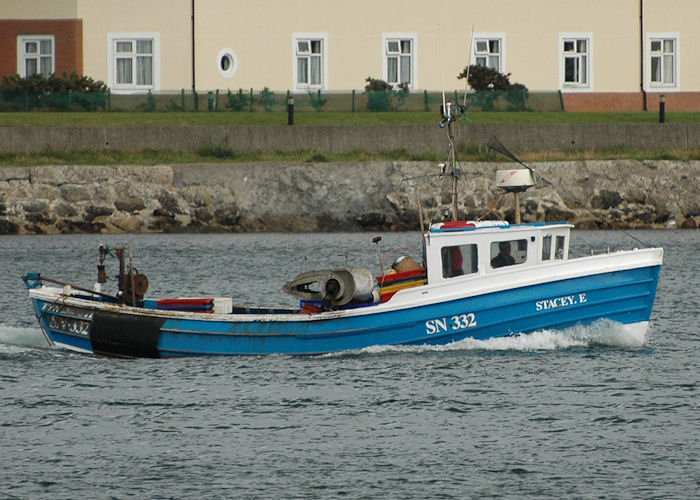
(461, 226)
(463, 248)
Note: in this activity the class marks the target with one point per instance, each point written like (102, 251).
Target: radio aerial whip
(469, 63)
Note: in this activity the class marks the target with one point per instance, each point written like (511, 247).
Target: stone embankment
(336, 196)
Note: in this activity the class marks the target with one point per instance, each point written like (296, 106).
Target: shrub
(317, 102)
(54, 92)
(266, 99)
(380, 93)
(237, 101)
(317, 157)
(218, 151)
(489, 84)
(150, 104)
(485, 78)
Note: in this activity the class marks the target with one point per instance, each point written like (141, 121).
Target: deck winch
(334, 288)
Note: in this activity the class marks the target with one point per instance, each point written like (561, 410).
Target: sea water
(589, 412)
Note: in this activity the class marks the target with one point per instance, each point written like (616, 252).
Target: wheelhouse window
(310, 53)
(459, 260)
(508, 253)
(547, 247)
(36, 55)
(560, 247)
(663, 55)
(488, 52)
(399, 60)
(133, 62)
(576, 62)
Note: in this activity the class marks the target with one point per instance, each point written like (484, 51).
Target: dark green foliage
(490, 85)
(245, 100)
(380, 94)
(238, 101)
(66, 92)
(150, 104)
(401, 93)
(317, 158)
(485, 78)
(376, 85)
(266, 99)
(39, 83)
(217, 152)
(317, 102)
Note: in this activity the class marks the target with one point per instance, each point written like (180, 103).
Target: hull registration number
(450, 323)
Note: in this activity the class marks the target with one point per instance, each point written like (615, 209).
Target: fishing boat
(470, 279)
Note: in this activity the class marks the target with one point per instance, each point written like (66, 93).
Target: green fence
(247, 100)
(54, 101)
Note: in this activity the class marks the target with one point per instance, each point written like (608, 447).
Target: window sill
(663, 88)
(131, 90)
(571, 89)
(309, 88)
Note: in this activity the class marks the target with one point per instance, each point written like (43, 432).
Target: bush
(489, 85)
(266, 99)
(485, 78)
(238, 101)
(380, 93)
(219, 152)
(316, 101)
(55, 92)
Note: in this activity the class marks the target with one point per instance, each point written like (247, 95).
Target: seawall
(349, 138)
(335, 196)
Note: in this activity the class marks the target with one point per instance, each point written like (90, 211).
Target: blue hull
(625, 296)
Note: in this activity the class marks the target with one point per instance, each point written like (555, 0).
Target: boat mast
(448, 116)
(450, 134)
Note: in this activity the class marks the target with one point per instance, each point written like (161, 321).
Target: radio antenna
(442, 67)
(469, 63)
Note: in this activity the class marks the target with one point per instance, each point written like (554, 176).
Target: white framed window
(310, 61)
(662, 58)
(575, 62)
(399, 61)
(133, 62)
(227, 63)
(489, 50)
(35, 55)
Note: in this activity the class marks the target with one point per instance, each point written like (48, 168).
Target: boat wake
(20, 337)
(603, 332)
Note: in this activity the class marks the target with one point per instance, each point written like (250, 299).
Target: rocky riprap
(348, 196)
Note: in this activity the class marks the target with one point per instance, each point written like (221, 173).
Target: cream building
(601, 54)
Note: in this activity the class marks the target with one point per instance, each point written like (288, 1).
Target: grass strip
(225, 155)
(396, 118)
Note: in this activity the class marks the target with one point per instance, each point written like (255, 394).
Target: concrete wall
(338, 139)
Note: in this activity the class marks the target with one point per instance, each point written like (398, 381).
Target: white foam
(17, 336)
(601, 333)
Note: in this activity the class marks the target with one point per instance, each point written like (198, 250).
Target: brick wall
(675, 101)
(603, 101)
(68, 34)
(630, 101)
